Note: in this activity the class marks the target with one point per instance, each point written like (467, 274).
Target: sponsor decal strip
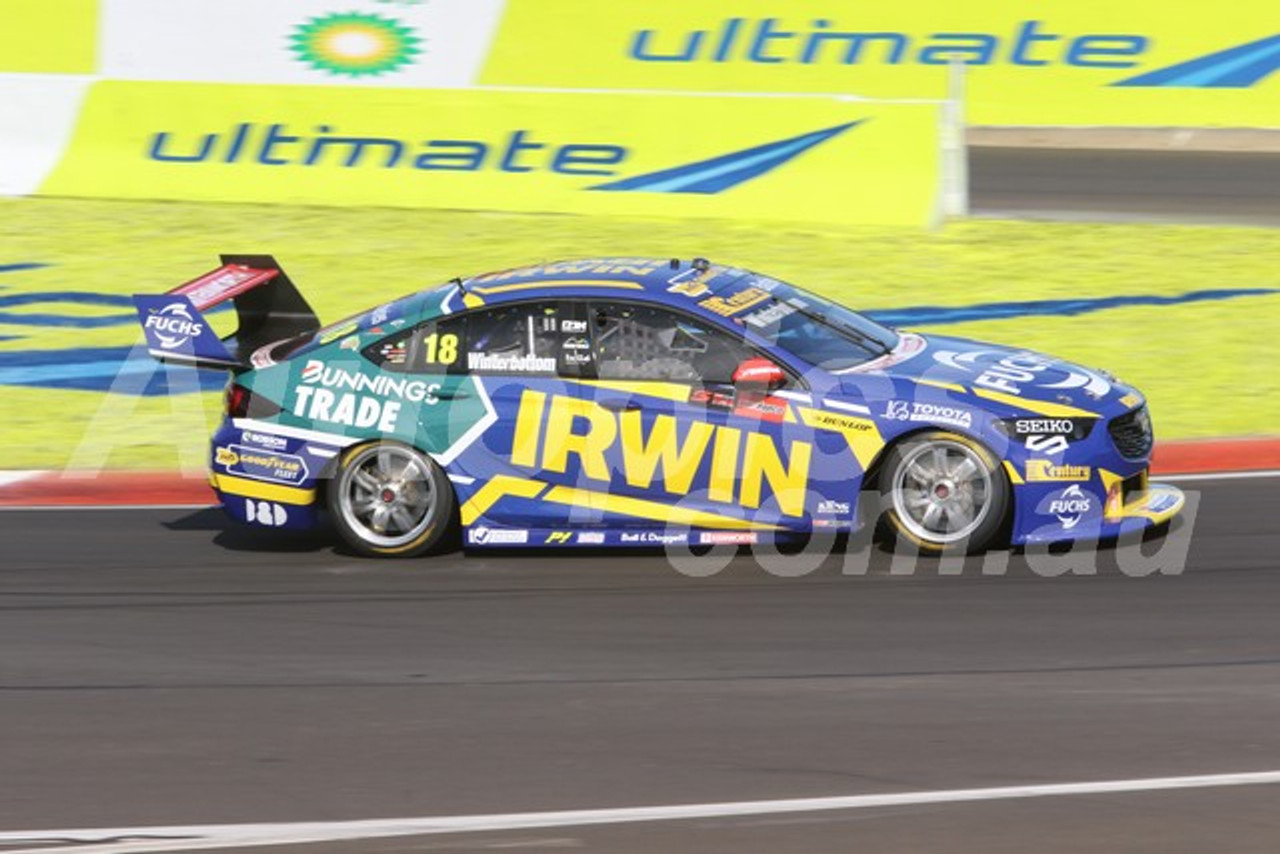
(1053, 410)
(644, 509)
(556, 283)
(847, 407)
(294, 432)
(233, 485)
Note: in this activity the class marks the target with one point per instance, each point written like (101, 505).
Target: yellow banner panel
(49, 36)
(793, 159)
(1053, 62)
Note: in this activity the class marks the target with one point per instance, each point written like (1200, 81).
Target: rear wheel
(944, 493)
(391, 500)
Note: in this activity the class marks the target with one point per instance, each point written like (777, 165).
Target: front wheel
(391, 500)
(944, 493)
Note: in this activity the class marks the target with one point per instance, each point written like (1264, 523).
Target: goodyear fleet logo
(355, 44)
(520, 151)
(1029, 44)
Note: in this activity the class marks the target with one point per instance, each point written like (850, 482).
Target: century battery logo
(1028, 44)
(173, 326)
(520, 151)
(355, 44)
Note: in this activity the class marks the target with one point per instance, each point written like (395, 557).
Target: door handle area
(619, 405)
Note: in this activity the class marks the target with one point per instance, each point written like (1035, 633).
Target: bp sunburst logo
(355, 44)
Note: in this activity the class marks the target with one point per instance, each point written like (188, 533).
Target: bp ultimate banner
(767, 159)
(1043, 63)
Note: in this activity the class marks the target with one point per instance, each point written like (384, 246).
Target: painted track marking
(135, 840)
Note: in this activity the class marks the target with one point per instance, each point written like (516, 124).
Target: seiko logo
(1044, 426)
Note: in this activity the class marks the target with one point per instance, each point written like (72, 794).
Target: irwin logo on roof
(518, 152)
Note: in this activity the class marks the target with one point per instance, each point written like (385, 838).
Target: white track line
(11, 477)
(136, 840)
(44, 508)
(1223, 475)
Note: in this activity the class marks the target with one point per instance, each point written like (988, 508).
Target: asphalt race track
(161, 668)
(1172, 186)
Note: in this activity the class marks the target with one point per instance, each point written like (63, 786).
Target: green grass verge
(1209, 369)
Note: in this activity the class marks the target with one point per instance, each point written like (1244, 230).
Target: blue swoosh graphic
(728, 170)
(930, 315)
(1237, 67)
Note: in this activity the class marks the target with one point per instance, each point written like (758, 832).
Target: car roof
(623, 275)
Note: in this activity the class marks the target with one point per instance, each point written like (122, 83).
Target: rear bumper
(269, 479)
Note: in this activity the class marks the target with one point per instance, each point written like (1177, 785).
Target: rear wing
(268, 307)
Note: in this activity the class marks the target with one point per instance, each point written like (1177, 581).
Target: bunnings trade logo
(519, 151)
(1029, 44)
(355, 44)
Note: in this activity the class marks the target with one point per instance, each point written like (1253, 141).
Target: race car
(643, 402)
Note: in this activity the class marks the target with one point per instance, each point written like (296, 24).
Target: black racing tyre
(388, 499)
(944, 493)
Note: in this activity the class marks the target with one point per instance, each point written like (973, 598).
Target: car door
(686, 447)
(495, 369)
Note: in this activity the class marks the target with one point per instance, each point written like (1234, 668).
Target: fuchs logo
(1070, 506)
(1008, 372)
(173, 325)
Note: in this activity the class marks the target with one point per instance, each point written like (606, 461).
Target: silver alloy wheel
(386, 495)
(942, 491)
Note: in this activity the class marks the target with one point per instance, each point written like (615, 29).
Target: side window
(649, 343)
(526, 338)
(513, 339)
(433, 347)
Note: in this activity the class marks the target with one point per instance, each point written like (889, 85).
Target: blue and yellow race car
(642, 402)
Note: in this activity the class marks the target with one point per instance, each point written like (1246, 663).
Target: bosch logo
(173, 326)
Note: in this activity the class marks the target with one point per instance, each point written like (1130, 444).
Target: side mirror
(758, 375)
